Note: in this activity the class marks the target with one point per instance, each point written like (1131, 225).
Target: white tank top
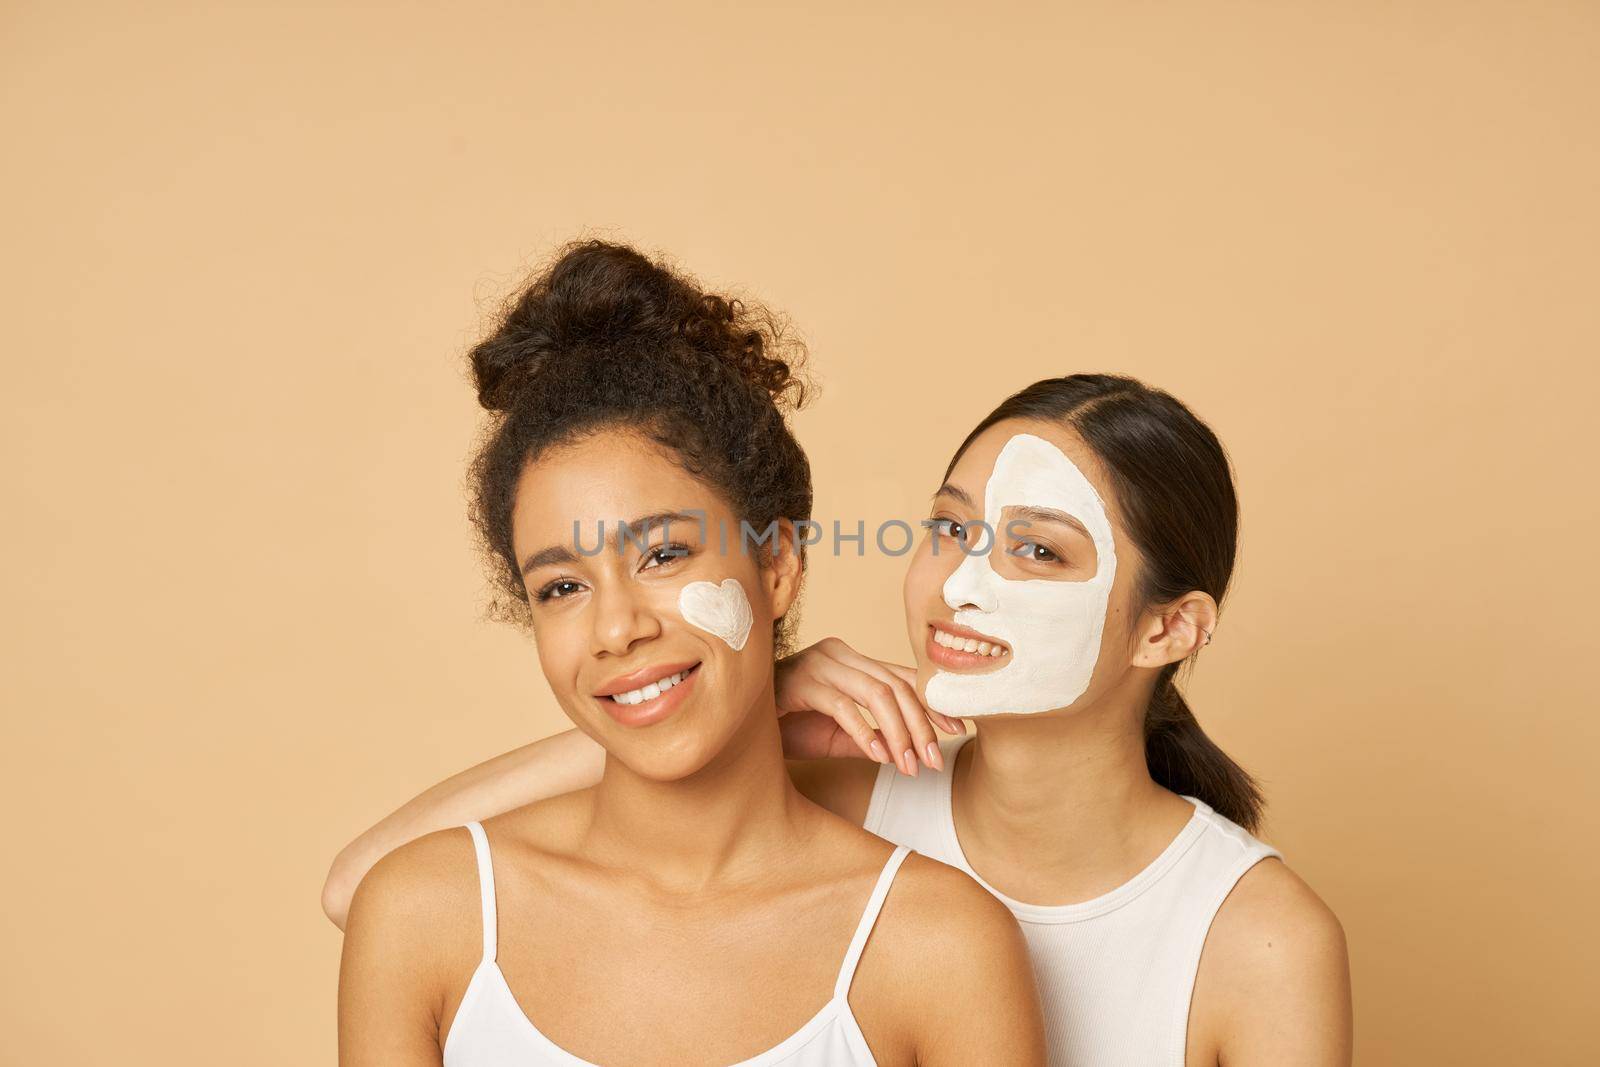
(1115, 973)
(491, 1030)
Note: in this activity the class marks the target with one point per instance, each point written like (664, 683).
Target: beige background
(247, 245)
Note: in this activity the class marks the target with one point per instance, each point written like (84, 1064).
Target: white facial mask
(723, 609)
(1053, 627)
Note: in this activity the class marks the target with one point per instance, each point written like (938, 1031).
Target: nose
(621, 620)
(971, 585)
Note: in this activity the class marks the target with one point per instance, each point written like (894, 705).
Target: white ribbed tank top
(491, 1030)
(1115, 973)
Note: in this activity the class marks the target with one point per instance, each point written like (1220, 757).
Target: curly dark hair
(606, 337)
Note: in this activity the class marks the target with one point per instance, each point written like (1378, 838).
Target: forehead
(971, 473)
(613, 475)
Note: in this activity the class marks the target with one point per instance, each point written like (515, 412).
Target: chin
(667, 759)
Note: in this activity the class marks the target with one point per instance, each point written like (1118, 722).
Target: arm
(1274, 979)
(559, 764)
(821, 692)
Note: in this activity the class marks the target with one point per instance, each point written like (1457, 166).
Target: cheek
(924, 582)
(1116, 640)
(558, 655)
(925, 577)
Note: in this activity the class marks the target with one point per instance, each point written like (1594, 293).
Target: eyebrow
(1024, 511)
(547, 556)
(639, 528)
(956, 493)
(1051, 515)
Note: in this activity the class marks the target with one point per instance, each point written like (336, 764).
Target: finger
(941, 720)
(795, 677)
(792, 680)
(918, 722)
(901, 671)
(912, 714)
(823, 698)
(805, 679)
(877, 696)
(813, 735)
(830, 647)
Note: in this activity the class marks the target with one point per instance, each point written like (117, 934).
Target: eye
(664, 554)
(1038, 553)
(561, 587)
(949, 528)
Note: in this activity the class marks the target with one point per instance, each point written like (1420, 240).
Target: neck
(734, 818)
(1071, 791)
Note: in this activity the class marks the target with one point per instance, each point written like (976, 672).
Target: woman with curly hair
(691, 905)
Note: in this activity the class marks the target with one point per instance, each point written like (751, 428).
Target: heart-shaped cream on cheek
(723, 609)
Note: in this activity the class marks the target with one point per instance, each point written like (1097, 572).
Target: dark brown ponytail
(1175, 492)
(1183, 759)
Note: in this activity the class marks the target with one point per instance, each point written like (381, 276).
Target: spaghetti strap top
(491, 1030)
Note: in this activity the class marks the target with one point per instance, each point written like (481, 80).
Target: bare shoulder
(942, 929)
(1275, 925)
(410, 942)
(938, 894)
(943, 939)
(1274, 977)
(843, 786)
(420, 894)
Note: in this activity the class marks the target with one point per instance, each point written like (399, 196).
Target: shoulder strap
(480, 843)
(852, 955)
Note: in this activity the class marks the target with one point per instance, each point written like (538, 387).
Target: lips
(638, 679)
(963, 649)
(650, 694)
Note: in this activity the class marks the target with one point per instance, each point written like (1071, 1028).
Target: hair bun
(603, 301)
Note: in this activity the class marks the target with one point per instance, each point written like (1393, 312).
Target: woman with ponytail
(1080, 545)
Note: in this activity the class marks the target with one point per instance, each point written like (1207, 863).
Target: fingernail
(911, 763)
(935, 760)
(879, 753)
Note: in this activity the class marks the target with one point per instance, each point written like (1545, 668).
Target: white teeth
(967, 644)
(649, 692)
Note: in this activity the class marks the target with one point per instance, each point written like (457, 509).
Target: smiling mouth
(968, 644)
(651, 689)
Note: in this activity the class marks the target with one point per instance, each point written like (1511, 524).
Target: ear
(1175, 630)
(782, 570)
